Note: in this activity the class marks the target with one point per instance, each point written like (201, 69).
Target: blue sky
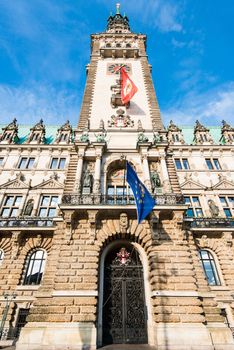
(45, 45)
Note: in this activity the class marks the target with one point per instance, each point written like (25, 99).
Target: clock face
(113, 68)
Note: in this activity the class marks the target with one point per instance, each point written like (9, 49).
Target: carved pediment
(192, 185)
(51, 183)
(18, 182)
(223, 185)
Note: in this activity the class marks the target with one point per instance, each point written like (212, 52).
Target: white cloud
(29, 104)
(210, 107)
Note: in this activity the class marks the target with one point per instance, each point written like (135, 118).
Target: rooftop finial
(117, 8)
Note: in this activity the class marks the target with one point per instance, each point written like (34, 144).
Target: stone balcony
(209, 223)
(26, 222)
(117, 200)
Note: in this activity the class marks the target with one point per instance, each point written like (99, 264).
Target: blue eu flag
(144, 201)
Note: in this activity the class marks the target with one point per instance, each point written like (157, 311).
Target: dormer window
(10, 133)
(227, 133)
(37, 133)
(174, 134)
(35, 137)
(202, 134)
(203, 137)
(175, 137)
(63, 137)
(64, 134)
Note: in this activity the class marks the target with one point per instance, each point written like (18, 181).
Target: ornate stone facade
(68, 223)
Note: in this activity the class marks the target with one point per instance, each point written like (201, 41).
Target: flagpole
(124, 179)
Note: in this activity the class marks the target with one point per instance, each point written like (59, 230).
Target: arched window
(35, 267)
(209, 267)
(118, 190)
(1, 256)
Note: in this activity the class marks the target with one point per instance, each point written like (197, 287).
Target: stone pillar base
(192, 337)
(57, 336)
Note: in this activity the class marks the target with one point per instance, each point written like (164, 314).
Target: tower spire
(118, 8)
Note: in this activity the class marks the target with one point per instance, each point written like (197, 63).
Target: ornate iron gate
(124, 310)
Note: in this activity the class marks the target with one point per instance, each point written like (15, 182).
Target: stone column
(99, 148)
(146, 171)
(97, 175)
(79, 173)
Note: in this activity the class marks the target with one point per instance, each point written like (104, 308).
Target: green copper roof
(51, 131)
(188, 133)
(24, 131)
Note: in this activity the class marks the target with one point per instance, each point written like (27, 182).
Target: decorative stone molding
(202, 134)
(121, 120)
(123, 222)
(69, 222)
(227, 134)
(64, 133)
(37, 133)
(174, 134)
(92, 215)
(227, 239)
(16, 240)
(10, 133)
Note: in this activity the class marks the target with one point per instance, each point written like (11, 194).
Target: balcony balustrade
(205, 222)
(93, 199)
(26, 222)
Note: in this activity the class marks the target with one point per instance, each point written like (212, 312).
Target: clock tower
(108, 279)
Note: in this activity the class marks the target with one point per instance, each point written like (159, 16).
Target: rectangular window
(1, 161)
(195, 209)
(228, 206)
(182, 164)
(209, 164)
(11, 206)
(48, 206)
(185, 163)
(26, 163)
(216, 164)
(57, 163)
(213, 164)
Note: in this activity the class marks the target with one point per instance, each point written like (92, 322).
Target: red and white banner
(128, 88)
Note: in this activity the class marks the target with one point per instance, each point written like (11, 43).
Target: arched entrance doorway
(124, 316)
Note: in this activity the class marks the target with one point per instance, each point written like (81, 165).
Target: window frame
(27, 279)
(58, 164)
(182, 162)
(193, 207)
(28, 160)
(214, 162)
(213, 267)
(13, 206)
(228, 205)
(49, 206)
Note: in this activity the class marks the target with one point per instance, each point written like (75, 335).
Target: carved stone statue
(100, 137)
(29, 207)
(155, 180)
(88, 181)
(156, 138)
(84, 137)
(214, 209)
(142, 138)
